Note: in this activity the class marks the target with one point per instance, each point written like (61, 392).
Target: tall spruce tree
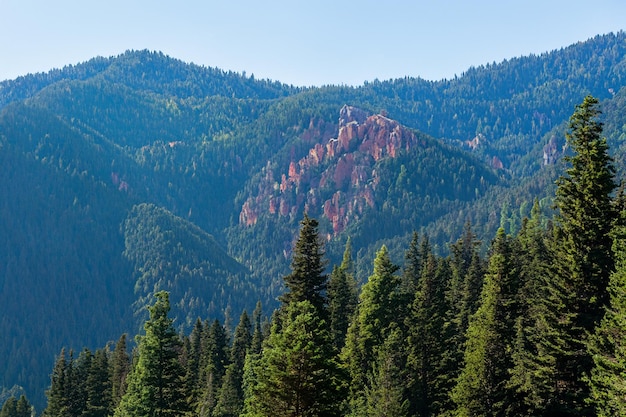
(608, 343)
(584, 259)
(193, 353)
(58, 393)
(387, 391)
(98, 386)
(214, 361)
(120, 367)
(156, 380)
(16, 407)
(586, 212)
(481, 388)
(427, 343)
(307, 280)
(378, 309)
(230, 399)
(298, 373)
(342, 297)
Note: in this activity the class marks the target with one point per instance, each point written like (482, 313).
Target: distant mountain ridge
(122, 176)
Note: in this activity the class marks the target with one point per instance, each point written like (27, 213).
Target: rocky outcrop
(336, 179)
(551, 151)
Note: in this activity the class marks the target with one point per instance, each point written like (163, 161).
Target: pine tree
(377, 310)
(9, 408)
(298, 374)
(342, 297)
(120, 367)
(386, 395)
(16, 408)
(58, 393)
(428, 339)
(257, 332)
(230, 400)
(462, 295)
(213, 365)
(608, 344)
(23, 407)
(154, 384)
(98, 386)
(307, 280)
(586, 212)
(482, 385)
(584, 260)
(193, 347)
(533, 355)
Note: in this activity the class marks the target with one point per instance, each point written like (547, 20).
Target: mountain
(126, 175)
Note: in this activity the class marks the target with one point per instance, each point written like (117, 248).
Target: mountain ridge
(180, 149)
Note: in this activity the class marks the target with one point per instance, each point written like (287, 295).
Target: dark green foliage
(307, 280)
(606, 345)
(16, 408)
(98, 386)
(428, 343)
(533, 355)
(586, 213)
(342, 297)
(482, 385)
(584, 259)
(192, 353)
(298, 373)
(377, 311)
(155, 382)
(387, 393)
(230, 400)
(120, 367)
(172, 254)
(214, 361)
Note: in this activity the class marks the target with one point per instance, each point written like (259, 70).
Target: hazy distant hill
(122, 176)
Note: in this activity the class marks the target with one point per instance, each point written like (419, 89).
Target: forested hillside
(534, 328)
(128, 175)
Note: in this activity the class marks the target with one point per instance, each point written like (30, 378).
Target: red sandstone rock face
(336, 179)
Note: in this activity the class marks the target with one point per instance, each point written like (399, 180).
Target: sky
(303, 43)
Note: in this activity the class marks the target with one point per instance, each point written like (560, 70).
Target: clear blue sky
(313, 42)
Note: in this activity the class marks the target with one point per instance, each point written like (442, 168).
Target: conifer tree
(230, 400)
(307, 280)
(342, 297)
(257, 332)
(462, 294)
(193, 348)
(481, 388)
(533, 355)
(9, 408)
(98, 386)
(586, 212)
(155, 382)
(16, 408)
(58, 393)
(608, 344)
(386, 395)
(427, 342)
(377, 310)
(584, 260)
(23, 407)
(213, 366)
(120, 367)
(298, 374)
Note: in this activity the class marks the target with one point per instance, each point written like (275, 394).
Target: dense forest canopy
(126, 176)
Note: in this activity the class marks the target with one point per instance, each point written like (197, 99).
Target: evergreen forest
(401, 248)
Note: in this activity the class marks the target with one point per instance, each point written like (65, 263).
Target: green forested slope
(106, 154)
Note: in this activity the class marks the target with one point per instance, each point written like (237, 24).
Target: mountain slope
(125, 175)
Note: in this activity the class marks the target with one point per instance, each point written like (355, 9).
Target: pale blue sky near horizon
(304, 43)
